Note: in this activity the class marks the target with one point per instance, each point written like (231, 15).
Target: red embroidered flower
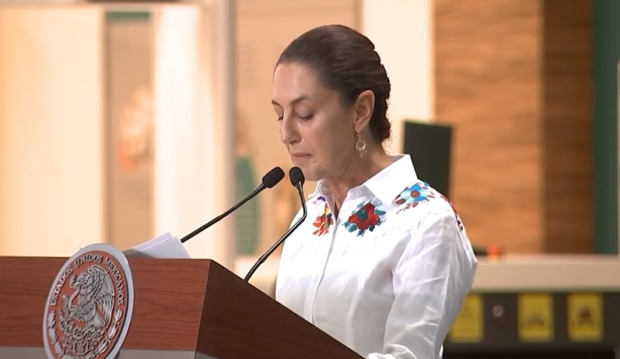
(323, 221)
(367, 217)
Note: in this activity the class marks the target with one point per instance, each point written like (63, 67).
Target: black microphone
(271, 179)
(297, 180)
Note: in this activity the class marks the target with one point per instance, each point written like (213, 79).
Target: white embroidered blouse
(387, 277)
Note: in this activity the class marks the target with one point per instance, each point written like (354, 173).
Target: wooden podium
(184, 308)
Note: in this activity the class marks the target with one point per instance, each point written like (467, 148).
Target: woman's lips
(300, 156)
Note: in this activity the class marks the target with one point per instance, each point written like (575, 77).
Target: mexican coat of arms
(89, 307)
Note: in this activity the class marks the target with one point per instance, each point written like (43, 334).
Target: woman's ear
(363, 109)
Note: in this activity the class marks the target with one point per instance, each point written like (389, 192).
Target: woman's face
(317, 130)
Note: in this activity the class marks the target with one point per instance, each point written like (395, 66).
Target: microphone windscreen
(273, 177)
(296, 176)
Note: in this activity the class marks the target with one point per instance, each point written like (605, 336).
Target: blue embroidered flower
(365, 218)
(414, 195)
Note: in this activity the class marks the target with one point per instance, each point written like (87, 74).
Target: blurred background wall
(119, 122)
(519, 93)
(51, 142)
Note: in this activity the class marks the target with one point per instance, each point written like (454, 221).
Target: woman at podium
(383, 262)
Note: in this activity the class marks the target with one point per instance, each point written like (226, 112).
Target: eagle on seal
(92, 301)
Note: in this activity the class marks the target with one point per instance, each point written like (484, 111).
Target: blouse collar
(385, 185)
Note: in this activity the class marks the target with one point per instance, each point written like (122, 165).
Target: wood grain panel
(164, 317)
(261, 327)
(567, 122)
(521, 114)
(168, 304)
(22, 300)
(488, 87)
(180, 304)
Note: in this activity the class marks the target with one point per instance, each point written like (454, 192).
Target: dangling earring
(360, 145)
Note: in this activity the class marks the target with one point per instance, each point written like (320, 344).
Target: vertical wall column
(51, 140)
(402, 31)
(194, 125)
(514, 78)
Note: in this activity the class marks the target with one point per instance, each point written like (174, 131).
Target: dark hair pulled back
(346, 62)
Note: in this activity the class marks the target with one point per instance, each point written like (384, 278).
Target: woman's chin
(309, 170)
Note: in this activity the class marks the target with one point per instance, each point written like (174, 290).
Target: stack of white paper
(163, 246)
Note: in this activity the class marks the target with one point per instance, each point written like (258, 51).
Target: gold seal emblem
(89, 306)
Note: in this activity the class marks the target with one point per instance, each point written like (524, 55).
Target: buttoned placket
(323, 252)
(326, 251)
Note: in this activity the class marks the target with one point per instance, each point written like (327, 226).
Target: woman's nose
(289, 133)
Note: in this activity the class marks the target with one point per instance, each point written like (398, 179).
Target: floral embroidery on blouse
(419, 193)
(365, 218)
(414, 195)
(323, 221)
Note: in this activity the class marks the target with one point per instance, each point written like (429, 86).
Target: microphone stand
(263, 258)
(271, 179)
(221, 216)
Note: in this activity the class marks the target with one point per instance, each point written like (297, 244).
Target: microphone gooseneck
(271, 179)
(297, 179)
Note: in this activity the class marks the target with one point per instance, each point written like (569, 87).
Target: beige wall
(52, 129)
(193, 154)
(50, 138)
(402, 33)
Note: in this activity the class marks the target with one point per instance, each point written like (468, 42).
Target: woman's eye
(306, 117)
